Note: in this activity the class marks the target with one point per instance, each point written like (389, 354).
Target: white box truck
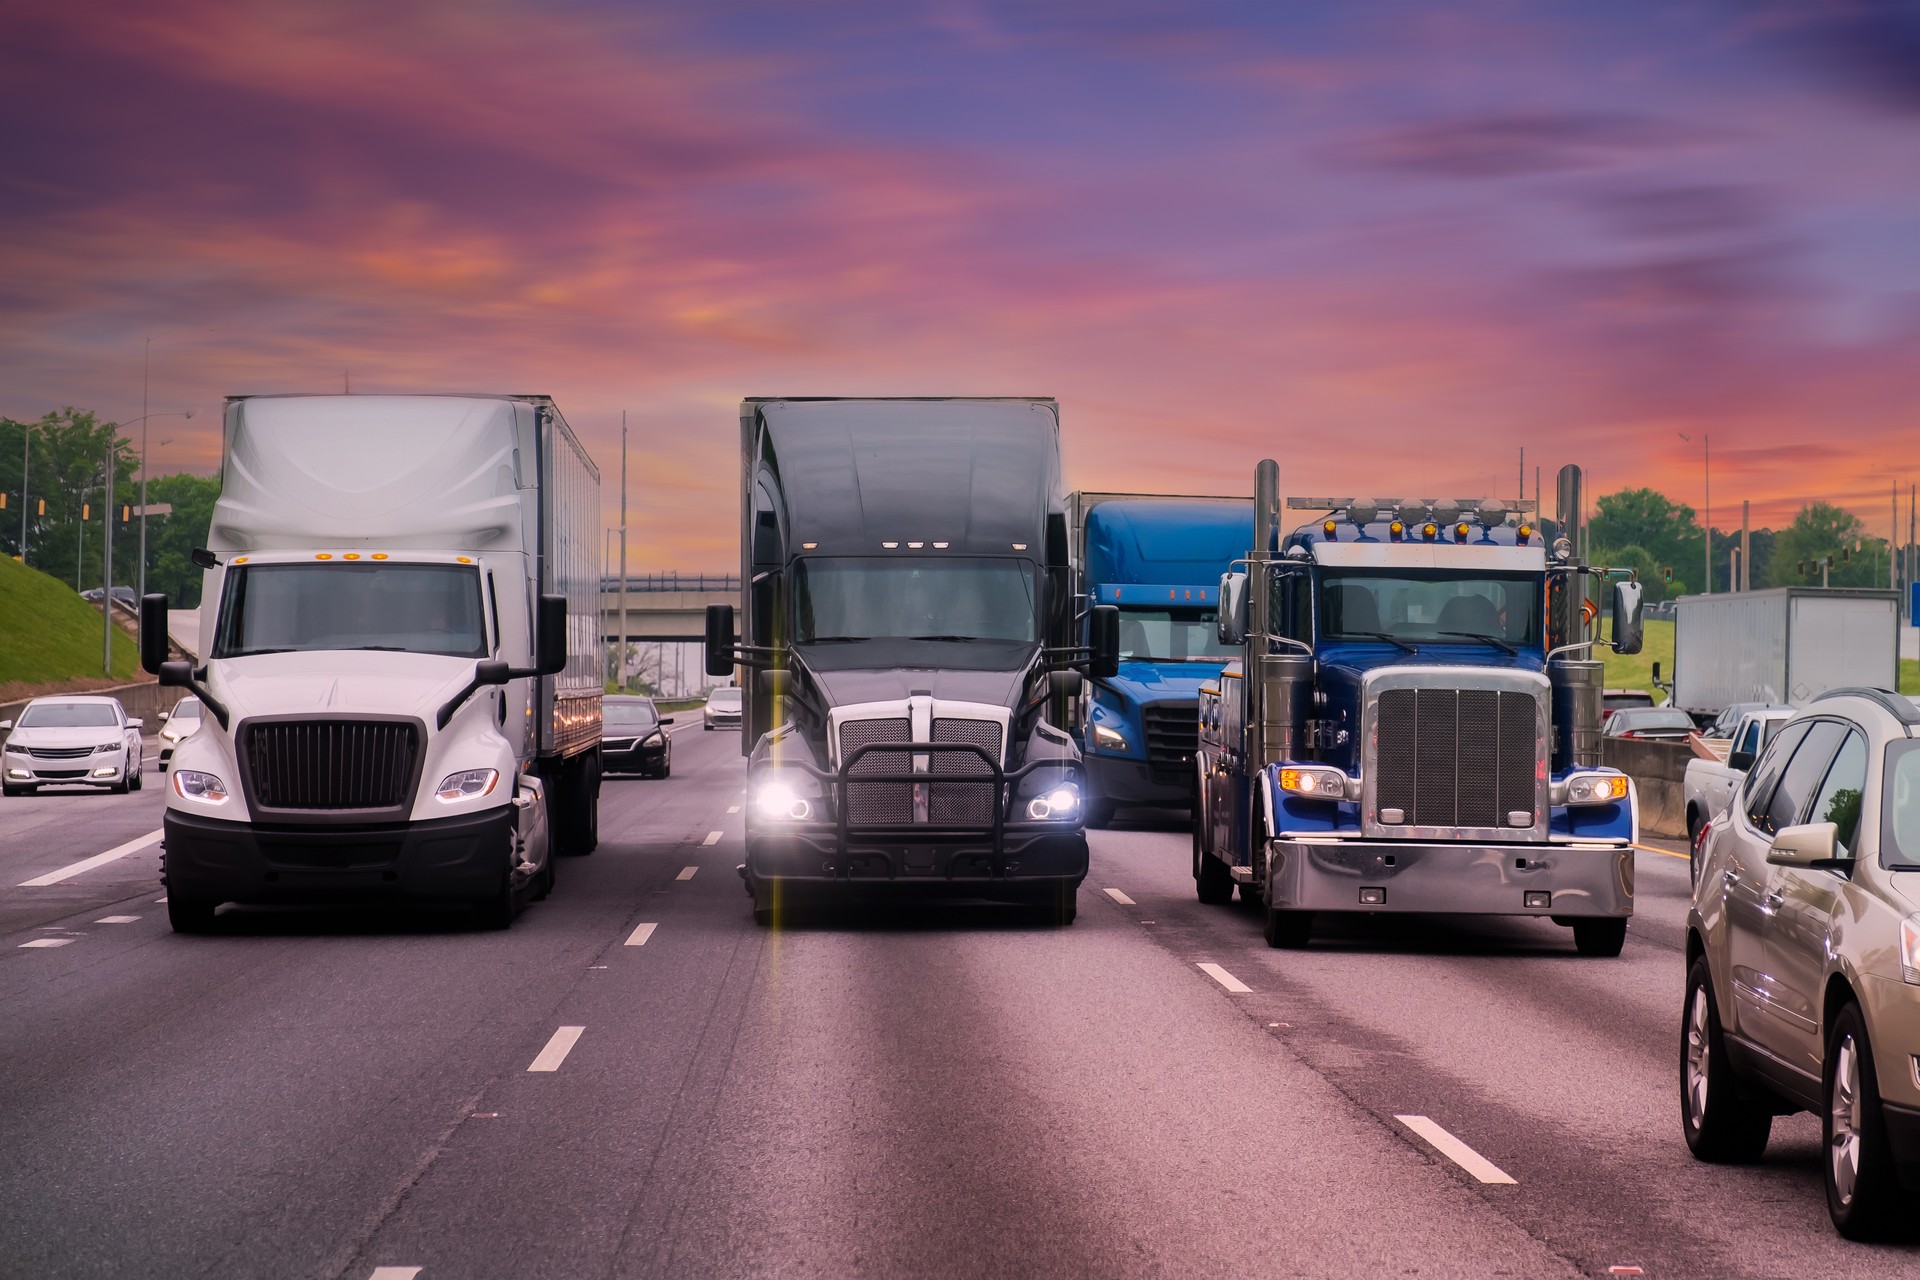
(400, 661)
(1788, 645)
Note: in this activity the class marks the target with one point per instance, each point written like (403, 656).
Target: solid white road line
(1121, 898)
(394, 1273)
(686, 873)
(116, 919)
(1225, 979)
(557, 1049)
(713, 838)
(1455, 1150)
(638, 938)
(88, 864)
(47, 942)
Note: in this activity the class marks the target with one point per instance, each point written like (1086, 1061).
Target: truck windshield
(1169, 635)
(1437, 607)
(913, 597)
(404, 608)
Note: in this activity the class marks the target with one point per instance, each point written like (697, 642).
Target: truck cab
(1158, 560)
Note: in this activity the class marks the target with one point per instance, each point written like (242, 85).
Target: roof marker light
(240, 559)
(379, 555)
(1461, 530)
(1396, 530)
(916, 545)
(1332, 529)
(1524, 532)
(351, 555)
(809, 546)
(891, 546)
(1019, 546)
(1429, 531)
(941, 546)
(464, 559)
(324, 555)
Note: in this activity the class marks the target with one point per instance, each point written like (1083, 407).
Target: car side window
(1750, 739)
(1766, 773)
(1801, 778)
(1838, 800)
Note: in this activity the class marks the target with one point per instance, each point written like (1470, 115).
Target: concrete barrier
(1659, 772)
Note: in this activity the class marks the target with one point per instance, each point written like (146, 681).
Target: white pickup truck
(1711, 779)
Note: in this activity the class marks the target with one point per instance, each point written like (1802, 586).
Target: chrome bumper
(1452, 879)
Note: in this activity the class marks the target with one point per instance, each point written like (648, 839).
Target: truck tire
(1721, 1125)
(496, 910)
(1289, 930)
(1600, 936)
(190, 915)
(573, 806)
(1212, 880)
(1057, 903)
(1099, 813)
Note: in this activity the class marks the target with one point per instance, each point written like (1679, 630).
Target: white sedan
(71, 741)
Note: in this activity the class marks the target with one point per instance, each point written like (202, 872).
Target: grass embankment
(1636, 671)
(50, 637)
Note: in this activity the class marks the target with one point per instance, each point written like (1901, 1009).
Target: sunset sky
(1388, 244)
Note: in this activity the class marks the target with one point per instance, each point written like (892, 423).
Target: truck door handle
(1729, 878)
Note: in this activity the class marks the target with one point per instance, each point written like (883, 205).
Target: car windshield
(913, 597)
(724, 698)
(68, 715)
(629, 715)
(1441, 607)
(1171, 635)
(1900, 825)
(1615, 701)
(404, 608)
(1654, 718)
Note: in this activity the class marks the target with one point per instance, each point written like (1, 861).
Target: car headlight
(786, 796)
(191, 784)
(1059, 803)
(467, 784)
(653, 739)
(1111, 739)
(1910, 950)
(1591, 788)
(1320, 784)
(105, 747)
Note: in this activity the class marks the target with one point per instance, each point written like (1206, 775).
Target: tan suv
(1803, 957)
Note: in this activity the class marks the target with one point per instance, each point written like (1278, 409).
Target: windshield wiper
(836, 639)
(957, 639)
(252, 653)
(1381, 635)
(382, 648)
(1496, 641)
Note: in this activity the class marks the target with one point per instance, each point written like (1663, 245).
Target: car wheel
(139, 780)
(1603, 936)
(1721, 1126)
(1858, 1171)
(10, 792)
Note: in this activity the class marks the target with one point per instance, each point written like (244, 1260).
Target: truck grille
(331, 764)
(954, 804)
(1457, 757)
(949, 804)
(1173, 734)
(878, 804)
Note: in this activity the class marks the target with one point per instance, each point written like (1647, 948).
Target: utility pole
(1706, 505)
(26, 443)
(1523, 473)
(106, 553)
(146, 425)
(622, 661)
(1746, 546)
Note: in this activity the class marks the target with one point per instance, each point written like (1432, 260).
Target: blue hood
(1157, 681)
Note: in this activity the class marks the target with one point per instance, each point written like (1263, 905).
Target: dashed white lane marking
(1455, 1150)
(713, 838)
(638, 938)
(47, 942)
(88, 864)
(686, 873)
(557, 1049)
(394, 1273)
(1121, 898)
(116, 919)
(1225, 979)
(156, 901)
(733, 808)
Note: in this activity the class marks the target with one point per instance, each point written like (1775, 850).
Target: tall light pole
(146, 361)
(1706, 502)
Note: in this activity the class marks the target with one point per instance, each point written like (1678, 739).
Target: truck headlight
(1910, 950)
(1591, 788)
(785, 797)
(467, 784)
(1111, 739)
(1320, 784)
(1057, 804)
(190, 784)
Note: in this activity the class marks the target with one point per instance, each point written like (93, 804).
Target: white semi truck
(1788, 646)
(401, 667)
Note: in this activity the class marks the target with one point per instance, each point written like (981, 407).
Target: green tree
(1666, 530)
(1641, 561)
(172, 538)
(67, 468)
(1822, 529)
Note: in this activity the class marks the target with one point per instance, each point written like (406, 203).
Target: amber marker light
(1396, 529)
(351, 555)
(1330, 528)
(1524, 532)
(1461, 530)
(379, 555)
(324, 555)
(1429, 531)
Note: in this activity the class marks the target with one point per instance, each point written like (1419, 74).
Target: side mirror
(1065, 683)
(204, 559)
(666, 719)
(6, 724)
(1808, 845)
(165, 716)
(1627, 625)
(492, 671)
(1232, 624)
(1656, 671)
(1740, 760)
(135, 722)
(550, 635)
(772, 681)
(177, 674)
(153, 632)
(1103, 642)
(719, 639)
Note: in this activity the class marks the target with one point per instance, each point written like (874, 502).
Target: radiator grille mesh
(331, 764)
(1456, 757)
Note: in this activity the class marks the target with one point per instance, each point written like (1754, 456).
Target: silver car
(71, 740)
(1803, 957)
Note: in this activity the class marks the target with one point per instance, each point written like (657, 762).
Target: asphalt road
(636, 1081)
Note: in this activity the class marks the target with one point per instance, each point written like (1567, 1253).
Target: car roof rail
(1901, 708)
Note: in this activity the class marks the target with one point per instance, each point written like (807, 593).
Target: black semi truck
(908, 641)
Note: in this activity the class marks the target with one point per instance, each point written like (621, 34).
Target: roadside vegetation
(50, 637)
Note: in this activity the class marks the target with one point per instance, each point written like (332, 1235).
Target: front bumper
(918, 857)
(1453, 879)
(78, 772)
(1128, 781)
(638, 758)
(447, 858)
(723, 719)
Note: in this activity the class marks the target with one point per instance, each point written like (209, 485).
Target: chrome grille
(331, 764)
(57, 753)
(953, 804)
(878, 804)
(1456, 757)
(1173, 734)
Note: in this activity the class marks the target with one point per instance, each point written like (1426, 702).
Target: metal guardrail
(656, 582)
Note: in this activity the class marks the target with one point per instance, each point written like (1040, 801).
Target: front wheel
(1290, 930)
(1057, 903)
(1602, 936)
(190, 915)
(1721, 1126)
(1212, 880)
(1861, 1181)
(1099, 813)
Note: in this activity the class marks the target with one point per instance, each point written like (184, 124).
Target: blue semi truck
(1158, 558)
(1412, 721)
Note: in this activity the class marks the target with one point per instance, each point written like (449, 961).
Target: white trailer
(399, 658)
(1787, 646)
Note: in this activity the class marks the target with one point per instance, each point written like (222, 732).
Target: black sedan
(634, 738)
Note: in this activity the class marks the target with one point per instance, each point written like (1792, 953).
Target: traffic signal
(3, 502)
(126, 514)
(1667, 573)
(86, 511)
(43, 507)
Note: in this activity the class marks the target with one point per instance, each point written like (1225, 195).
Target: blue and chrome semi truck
(1412, 723)
(1157, 558)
